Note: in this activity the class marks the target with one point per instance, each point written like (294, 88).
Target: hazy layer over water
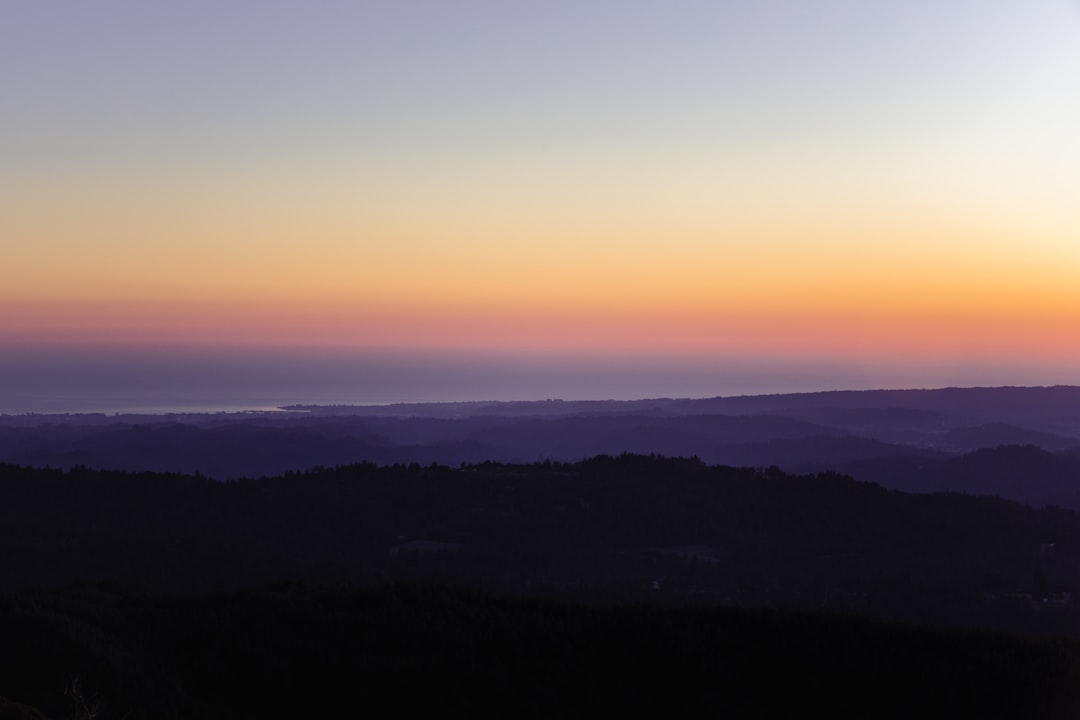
(162, 380)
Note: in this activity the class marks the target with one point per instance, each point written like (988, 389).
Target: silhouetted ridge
(627, 527)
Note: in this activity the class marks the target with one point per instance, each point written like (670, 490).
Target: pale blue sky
(155, 79)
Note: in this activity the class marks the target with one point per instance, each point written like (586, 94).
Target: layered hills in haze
(1019, 443)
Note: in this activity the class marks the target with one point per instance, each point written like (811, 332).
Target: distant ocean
(183, 403)
(132, 405)
(169, 380)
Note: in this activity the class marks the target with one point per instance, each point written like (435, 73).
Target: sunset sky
(878, 193)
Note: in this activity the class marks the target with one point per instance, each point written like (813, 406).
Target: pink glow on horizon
(813, 335)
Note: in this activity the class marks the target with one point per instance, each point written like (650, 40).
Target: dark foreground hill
(414, 651)
(631, 528)
(631, 585)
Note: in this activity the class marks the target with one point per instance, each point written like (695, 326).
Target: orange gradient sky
(858, 184)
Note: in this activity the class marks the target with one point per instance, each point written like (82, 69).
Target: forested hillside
(631, 527)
